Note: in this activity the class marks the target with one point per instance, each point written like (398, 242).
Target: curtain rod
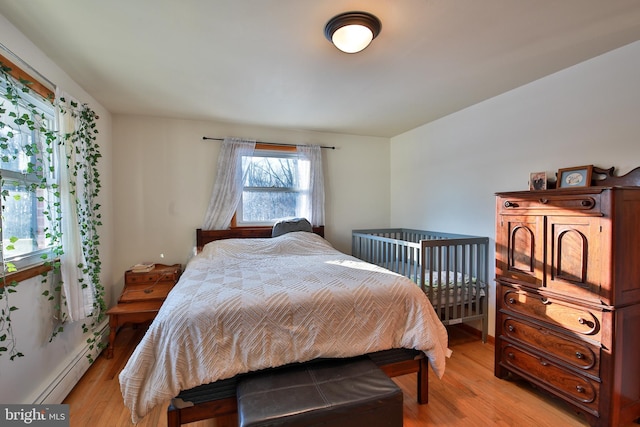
(270, 143)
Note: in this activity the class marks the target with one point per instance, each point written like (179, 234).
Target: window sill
(25, 274)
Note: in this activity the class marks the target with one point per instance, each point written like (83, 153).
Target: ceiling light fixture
(351, 32)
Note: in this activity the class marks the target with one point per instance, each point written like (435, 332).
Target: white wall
(444, 174)
(164, 177)
(25, 379)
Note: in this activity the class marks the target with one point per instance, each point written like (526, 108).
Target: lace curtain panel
(79, 299)
(313, 202)
(227, 188)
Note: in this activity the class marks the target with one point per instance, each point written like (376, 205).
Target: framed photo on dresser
(537, 181)
(579, 176)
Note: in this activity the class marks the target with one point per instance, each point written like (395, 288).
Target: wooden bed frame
(392, 363)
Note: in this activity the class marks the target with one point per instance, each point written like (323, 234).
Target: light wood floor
(468, 395)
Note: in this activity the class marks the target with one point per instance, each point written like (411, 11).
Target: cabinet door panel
(520, 244)
(574, 259)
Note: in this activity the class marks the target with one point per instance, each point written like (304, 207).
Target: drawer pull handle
(511, 355)
(148, 291)
(580, 389)
(512, 300)
(586, 203)
(508, 204)
(581, 321)
(579, 355)
(544, 201)
(511, 328)
(545, 301)
(544, 363)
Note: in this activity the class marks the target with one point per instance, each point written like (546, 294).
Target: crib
(451, 269)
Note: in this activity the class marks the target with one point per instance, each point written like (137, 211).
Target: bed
(451, 269)
(249, 302)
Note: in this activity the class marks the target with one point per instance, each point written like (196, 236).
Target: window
(24, 223)
(276, 186)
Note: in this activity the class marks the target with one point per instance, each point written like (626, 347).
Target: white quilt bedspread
(248, 304)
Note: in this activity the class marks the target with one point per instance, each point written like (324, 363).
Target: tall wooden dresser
(568, 296)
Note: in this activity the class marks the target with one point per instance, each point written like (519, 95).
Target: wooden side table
(141, 298)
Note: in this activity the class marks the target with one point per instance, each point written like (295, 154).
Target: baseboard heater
(69, 376)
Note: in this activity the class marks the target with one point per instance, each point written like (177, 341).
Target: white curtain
(77, 287)
(313, 203)
(227, 188)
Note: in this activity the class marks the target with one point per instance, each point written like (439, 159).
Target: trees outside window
(275, 184)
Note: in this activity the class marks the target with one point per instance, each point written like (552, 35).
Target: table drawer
(142, 292)
(151, 277)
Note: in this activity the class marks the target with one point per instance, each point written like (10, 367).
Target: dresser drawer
(554, 312)
(575, 388)
(146, 291)
(580, 355)
(545, 204)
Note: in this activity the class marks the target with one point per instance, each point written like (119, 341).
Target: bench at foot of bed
(349, 392)
(220, 398)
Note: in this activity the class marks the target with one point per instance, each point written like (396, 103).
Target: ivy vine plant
(34, 154)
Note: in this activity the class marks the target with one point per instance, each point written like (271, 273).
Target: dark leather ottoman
(348, 392)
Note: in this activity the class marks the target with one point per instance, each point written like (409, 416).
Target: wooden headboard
(205, 236)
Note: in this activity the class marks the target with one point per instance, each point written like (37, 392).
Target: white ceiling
(266, 62)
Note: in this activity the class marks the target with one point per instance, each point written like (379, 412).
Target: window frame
(35, 266)
(287, 151)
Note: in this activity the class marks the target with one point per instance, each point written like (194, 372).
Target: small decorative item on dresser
(143, 268)
(537, 181)
(579, 176)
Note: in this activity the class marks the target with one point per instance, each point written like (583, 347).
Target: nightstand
(141, 298)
